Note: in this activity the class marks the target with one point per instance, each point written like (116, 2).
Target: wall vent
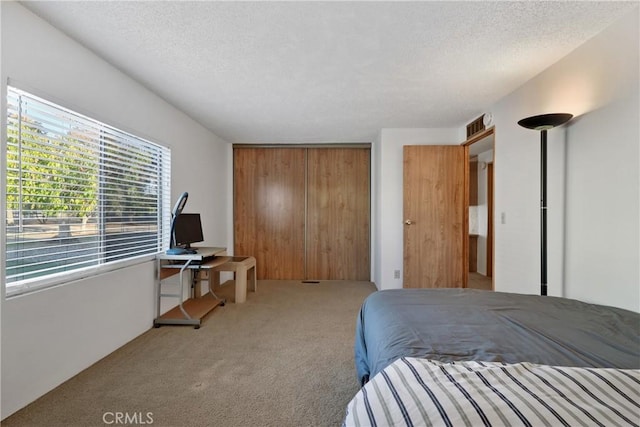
(475, 126)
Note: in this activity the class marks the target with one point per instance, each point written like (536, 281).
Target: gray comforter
(464, 324)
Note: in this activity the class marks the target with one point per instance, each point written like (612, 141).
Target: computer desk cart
(191, 311)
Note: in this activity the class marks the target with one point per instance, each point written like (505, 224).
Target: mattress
(448, 325)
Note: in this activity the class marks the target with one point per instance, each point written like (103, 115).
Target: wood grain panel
(269, 209)
(435, 243)
(473, 253)
(338, 216)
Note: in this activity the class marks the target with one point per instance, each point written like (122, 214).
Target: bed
(421, 392)
(463, 330)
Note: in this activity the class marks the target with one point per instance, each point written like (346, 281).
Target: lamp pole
(543, 123)
(543, 212)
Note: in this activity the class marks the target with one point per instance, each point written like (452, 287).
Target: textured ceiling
(330, 71)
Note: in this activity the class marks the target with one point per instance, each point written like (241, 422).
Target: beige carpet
(480, 281)
(283, 358)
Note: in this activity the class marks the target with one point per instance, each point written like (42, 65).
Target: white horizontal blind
(80, 194)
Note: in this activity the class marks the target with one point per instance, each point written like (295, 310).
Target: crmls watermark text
(127, 418)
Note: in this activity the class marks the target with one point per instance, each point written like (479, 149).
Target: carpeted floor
(283, 358)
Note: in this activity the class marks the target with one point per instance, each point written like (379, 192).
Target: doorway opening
(480, 210)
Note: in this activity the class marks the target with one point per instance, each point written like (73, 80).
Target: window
(81, 195)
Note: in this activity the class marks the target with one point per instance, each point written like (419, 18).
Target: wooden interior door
(269, 209)
(338, 214)
(435, 213)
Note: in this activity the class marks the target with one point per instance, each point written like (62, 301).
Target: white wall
(388, 180)
(376, 226)
(603, 174)
(593, 176)
(51, 335)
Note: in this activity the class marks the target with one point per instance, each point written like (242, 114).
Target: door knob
(408, 222)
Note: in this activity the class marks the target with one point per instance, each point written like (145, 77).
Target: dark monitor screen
(188, 229)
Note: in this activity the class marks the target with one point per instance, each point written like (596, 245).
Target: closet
(303, 211)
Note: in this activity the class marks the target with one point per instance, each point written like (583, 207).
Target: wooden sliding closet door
(338, 214)
(269, 209)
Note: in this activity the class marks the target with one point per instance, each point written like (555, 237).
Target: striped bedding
(421, 392)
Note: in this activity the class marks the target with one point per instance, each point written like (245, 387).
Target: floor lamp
(543, 123)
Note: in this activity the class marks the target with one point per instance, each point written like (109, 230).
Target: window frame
(162, 202)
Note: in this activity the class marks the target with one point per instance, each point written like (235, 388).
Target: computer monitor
(188, 230)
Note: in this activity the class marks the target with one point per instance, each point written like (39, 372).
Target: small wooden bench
(241, 266)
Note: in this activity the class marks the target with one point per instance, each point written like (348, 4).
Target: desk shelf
(193, 310)
(197, 308)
